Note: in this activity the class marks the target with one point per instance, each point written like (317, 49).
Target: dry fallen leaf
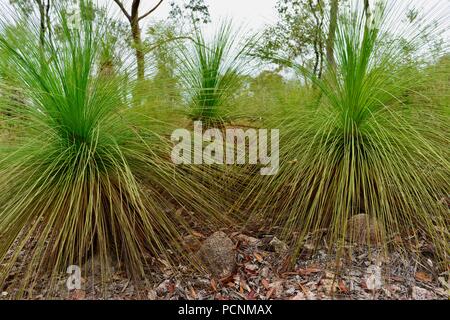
(422, 276)
(265, 284)
(243, 286)
(307, 271)
(198, 234)
(270, 292)
(194, 293)
(213, 284)
(343, 287)
(258, 257)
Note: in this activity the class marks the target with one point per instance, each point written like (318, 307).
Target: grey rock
(278, 246)
(218, 255)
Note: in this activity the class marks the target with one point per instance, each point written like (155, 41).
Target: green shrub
(87, 174)
(362, 149)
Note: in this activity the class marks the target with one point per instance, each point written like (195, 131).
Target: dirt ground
(263, 273)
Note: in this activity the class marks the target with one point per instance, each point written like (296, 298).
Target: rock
(359, 226)
(251, 241)
(278, 246)
(162, 288)
(218, 254)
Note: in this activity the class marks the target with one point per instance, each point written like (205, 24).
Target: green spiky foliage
(361, 149)
(212, 73)
(86, 176)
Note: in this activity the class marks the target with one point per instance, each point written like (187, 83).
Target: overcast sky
(253, 14)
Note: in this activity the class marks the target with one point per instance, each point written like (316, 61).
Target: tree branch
(120, 4)
(151, 10)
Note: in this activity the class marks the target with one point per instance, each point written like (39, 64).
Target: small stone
(152, 295)
(251, 241)
(162, 289)
(278, 246)
(218, 254)
(290, 291)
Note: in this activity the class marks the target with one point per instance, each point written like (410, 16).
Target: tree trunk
(134, 19)
(317, 42)
(137, 39)
(43, 24)
(367, 9)
(44, 16)
(47, 18)
(334, 12)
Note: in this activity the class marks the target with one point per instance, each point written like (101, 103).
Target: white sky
(257, 12)
(253, 13)
(250, 14)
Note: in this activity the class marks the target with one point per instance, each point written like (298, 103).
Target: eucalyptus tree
(195, 8)
(304, 33)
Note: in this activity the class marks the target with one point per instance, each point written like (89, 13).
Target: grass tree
(85, 174)
(212, 73)
(362, 149)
